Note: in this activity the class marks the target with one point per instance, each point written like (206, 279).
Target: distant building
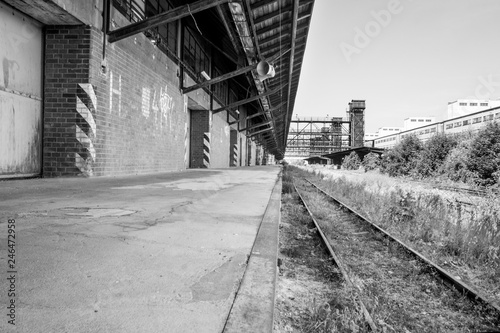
(369, 137)
(383, 131)
(414, 122)
(462, 107)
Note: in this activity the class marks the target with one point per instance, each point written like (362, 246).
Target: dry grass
(463, 238)
(311, 296)
(396, 289)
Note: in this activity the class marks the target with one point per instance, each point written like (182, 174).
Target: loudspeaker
(265, 70)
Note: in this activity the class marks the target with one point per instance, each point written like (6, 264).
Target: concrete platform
(150, 253)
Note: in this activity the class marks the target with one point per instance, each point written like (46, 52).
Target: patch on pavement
(96, 212)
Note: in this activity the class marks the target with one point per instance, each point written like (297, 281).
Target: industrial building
(469, 122)
(314, 136)
(119, 87)
(462, 107)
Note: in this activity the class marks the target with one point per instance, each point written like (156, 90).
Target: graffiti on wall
(86, 103)
(146, 100)
(159, 104)
(115, 93)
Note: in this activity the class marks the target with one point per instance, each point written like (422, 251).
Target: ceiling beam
(261, 131)
(248, 100)
(284, 34)
(262, 3)
(218, 79)
(295, 15)
(252, 26)
(264, 112)
(230, 74)
(259, 125)
(163, 18)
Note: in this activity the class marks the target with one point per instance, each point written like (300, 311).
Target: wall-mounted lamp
(265, 70)
(205, 75)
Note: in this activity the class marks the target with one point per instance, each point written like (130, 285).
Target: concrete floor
(149, 253)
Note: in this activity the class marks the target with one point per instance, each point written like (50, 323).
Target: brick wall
(130, 118)
(142, 115)
(67, 58)
(136, 124)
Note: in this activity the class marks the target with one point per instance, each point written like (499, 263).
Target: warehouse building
(117, 87)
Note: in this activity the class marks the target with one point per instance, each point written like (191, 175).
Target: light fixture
(265, 70)
(205, 75)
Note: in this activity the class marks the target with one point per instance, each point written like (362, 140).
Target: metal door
(20, 94)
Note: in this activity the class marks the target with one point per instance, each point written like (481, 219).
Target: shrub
(484, 155)
(455, 164)
(402, 159)
(371, 161)
(351, 162)
(434, 153)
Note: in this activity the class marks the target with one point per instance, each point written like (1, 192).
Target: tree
(351, 162)
(402, 159)
(484, 155)
(371, 161)
(434, 153)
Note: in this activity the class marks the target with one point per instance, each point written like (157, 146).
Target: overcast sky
(405, 58)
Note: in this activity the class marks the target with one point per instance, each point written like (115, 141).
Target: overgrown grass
(335, 311)
(448, 230)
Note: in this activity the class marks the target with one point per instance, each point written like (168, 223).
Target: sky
(406, 58)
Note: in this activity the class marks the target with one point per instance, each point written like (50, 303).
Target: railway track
(391, 274)
(477, 193)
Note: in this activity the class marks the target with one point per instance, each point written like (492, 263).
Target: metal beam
(248, 100)
(163, 18)
(252, 26)
(261, 131)
(258, 125)
(229, 75)
(264, 112)
(218, 79)
(295, 15)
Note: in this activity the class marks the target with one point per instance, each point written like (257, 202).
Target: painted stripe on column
(206, 149)
(86, 104)
(186, 146)
(235, 154)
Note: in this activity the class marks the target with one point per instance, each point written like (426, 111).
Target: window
(489, 117)
(497, 115)
(476, 120)
(463, 104)
(428, 120)
(448, 126)
(413, 120)
(433, 129)
(194, 54)
(473, 104)
(484, 104)
(466, 122)
(457, 124)
(427, 131)
(420, 120)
